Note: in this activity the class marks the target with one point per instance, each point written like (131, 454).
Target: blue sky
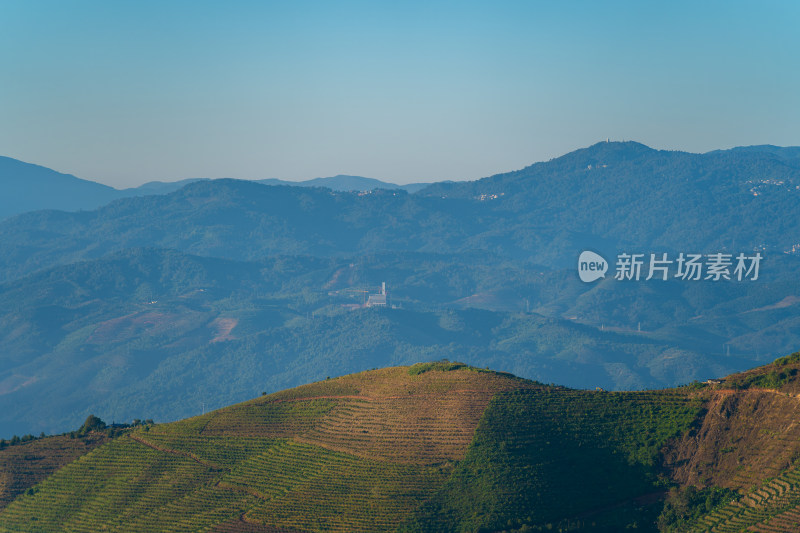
(126, 92)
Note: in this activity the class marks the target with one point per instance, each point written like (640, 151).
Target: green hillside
(31, 460)
(430, 447)
(608, 195)
(250, 287)
(434, 447)
(257, 289)
(158, 334)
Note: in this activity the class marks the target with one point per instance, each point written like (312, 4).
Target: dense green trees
(92, 423)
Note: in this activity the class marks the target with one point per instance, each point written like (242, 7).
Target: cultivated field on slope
(437, 446)
(355, 453)
(26, 464)
(562, 459)
(748, 445)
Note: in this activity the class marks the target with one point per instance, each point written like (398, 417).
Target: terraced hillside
(748, 444)
(412, 448)
(26, 464)
(446, 447)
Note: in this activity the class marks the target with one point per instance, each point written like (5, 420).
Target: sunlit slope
(748, 443)
(430, 447)
(354, 453)
(26, 464)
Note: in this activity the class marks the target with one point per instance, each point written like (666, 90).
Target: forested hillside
(161, 304)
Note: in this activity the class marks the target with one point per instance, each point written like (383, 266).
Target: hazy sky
(124, 92)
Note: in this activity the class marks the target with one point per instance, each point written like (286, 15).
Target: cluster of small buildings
(379, 299)
(371, 299)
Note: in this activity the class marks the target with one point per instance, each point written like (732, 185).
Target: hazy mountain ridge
(29, 187)
(631, 195)
(346, 183)
(643, 198)
(250, 280)
(161, 332)
(228, 218)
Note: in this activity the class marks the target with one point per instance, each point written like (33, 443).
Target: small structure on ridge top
(378, 299)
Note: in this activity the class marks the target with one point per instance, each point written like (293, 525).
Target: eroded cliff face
(743, 438)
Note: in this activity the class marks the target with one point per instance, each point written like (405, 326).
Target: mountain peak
(612, 151)
(27, 187)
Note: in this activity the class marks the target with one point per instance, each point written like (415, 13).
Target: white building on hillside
(378, 299)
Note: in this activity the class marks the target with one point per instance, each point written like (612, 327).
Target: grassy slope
(561, 458)
(26, 464)
(354, 453)
(443, 447)
(380, 450)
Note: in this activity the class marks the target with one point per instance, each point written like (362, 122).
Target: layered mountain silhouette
(29, 187)
(348, 183)
(154, 305)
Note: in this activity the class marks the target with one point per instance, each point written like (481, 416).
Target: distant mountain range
(220, 289)
(158, 332)
(29, 187)
(345, 183)
(610, 196)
